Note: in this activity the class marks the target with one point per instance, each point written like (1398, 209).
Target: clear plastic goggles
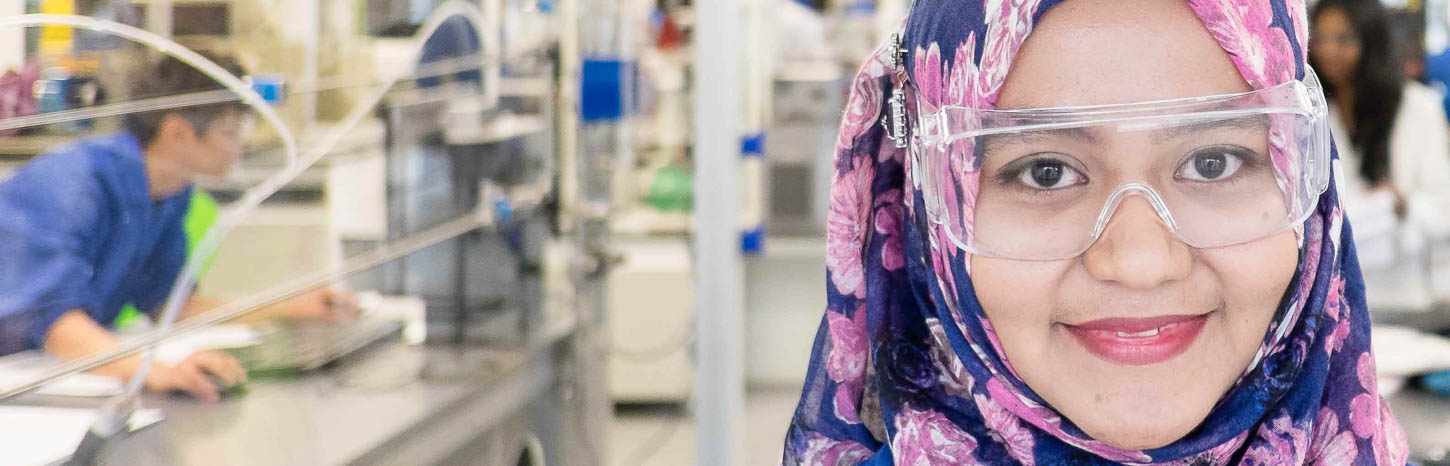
(1218, 170)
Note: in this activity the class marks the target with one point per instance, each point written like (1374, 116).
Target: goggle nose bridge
(1110, 207)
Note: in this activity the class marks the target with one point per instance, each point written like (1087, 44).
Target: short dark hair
(172, 77)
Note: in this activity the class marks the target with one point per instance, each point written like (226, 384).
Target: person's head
(1129, 202)
(1091, 231)
(191, 141)
(1352, 45)
(1057, 319)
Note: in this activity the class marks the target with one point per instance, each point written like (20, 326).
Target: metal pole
(720, 318)
(158, 18)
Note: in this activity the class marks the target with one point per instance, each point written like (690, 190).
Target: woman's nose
(1136, 249)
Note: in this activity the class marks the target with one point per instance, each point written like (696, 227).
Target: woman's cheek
(1020, 299)
(1255, 277)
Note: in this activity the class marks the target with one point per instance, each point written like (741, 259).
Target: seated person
(94, 227)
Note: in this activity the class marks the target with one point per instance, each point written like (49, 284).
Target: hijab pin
(895, 124)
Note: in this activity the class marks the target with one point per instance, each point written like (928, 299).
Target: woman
(1392, 132)
(1168, 282)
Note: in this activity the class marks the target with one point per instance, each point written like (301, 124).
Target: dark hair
(1409, 28)
(172, 77)
(1378, 83)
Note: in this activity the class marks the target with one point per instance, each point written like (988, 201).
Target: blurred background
(592, 231)
(562, 330)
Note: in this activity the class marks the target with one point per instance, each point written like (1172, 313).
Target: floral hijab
(906, 367)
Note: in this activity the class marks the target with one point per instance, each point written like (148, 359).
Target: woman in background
(1391, 132)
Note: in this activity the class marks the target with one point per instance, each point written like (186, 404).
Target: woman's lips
(1139, 342)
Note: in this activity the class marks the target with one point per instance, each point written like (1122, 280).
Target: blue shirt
(79, 230)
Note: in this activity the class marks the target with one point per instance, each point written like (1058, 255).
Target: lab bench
(394, 404)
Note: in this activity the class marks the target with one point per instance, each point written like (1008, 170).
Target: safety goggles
(1217, 170)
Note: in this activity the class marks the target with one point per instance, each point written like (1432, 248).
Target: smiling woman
(1127, 249)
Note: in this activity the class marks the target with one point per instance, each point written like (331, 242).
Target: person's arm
(197, 305)
(321, 304)
(76, 336)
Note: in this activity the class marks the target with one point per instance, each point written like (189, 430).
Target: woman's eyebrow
(1082, 134)
(1252, 122)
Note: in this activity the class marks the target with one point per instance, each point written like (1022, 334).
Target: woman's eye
(1211, 164)
(1049, 174)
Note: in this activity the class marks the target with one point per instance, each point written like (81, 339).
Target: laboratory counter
(394, 404)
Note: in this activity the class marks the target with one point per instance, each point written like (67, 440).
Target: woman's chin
(1136, 407)
(1138, 435)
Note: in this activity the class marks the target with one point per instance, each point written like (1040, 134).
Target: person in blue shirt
(90, 227)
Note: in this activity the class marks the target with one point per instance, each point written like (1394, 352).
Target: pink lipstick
(1139, 341)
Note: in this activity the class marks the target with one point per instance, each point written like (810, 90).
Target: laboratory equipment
(508, 384)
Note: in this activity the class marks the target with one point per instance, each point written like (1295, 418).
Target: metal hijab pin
(895, 122)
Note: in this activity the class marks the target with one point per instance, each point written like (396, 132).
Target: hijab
(906, 368)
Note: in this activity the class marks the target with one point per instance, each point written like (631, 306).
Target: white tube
(429, 70)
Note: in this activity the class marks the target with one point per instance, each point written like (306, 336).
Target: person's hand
(321, 305)
(190, 375)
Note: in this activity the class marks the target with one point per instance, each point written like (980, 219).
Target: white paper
(29, 365)
(36, 435)
(411, 310)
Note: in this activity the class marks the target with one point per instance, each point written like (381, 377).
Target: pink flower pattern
(1390, 447)
(1283, 443)
(1331, 445)
(1364, 410)
(846, 229)
(889, 216)
(863, 109)
(1007, 429)
(928, 438)
(825, 451)
(847, 361)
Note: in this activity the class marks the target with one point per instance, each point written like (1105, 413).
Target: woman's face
(1076, 330)
(1335, 46)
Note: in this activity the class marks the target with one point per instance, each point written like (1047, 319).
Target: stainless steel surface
(398, 405)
